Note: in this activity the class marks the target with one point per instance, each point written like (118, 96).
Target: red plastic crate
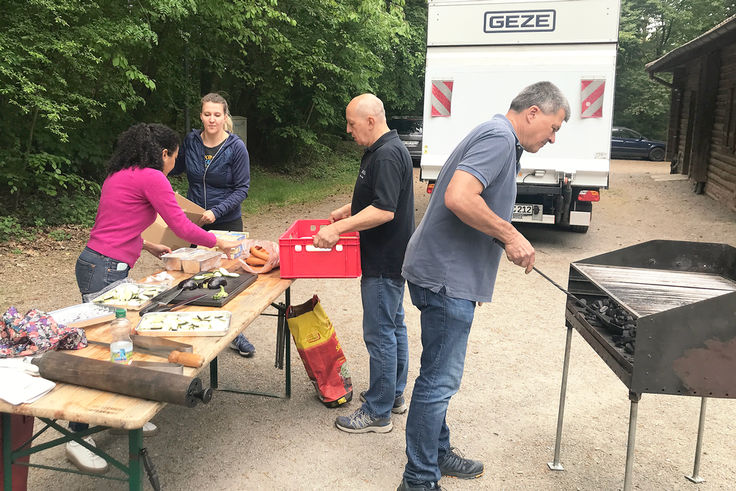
(298, 258)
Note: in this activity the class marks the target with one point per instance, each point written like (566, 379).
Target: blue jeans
(446, 324)
(384, 333)
(95, 271)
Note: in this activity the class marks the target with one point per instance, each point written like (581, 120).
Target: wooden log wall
(721, 174)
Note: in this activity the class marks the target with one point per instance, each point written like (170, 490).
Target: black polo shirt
(386, 181)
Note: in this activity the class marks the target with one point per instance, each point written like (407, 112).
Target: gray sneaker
(400, 406)
(362, 422)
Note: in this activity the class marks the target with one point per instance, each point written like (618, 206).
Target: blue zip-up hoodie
(223, 186)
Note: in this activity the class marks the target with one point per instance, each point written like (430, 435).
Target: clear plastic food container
(192, 260)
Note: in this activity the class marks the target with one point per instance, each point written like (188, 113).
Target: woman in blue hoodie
(218, 170)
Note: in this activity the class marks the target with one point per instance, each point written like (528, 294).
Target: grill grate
(650, 291)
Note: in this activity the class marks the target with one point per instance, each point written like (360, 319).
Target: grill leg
(698, 446)
(632, 439)
(556, 465)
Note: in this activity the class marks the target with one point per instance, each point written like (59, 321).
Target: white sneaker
(84, 459)
(149, 429)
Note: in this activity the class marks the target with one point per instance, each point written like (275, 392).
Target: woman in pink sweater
(135, 190)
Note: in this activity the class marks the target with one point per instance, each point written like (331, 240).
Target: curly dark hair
(141, 146)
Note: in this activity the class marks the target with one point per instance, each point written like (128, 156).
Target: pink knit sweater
(128, 205)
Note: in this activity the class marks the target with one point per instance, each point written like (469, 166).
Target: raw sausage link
(254, 261)
(259, 252)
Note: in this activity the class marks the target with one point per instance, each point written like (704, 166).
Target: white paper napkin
(17, 386)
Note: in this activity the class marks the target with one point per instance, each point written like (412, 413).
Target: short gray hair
(545, 95)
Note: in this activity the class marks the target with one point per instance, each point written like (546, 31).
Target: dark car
(629, 144)
(409, 129)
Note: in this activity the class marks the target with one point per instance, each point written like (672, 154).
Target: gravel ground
(505, 413)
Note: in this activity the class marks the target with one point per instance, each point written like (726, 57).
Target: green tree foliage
(74, 73)
(649, 29)
(68, 69)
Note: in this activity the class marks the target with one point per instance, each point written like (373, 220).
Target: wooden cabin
(701, 139)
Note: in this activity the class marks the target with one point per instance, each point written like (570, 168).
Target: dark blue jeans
(231, 226)
(94, 272)
(384, 333)
(446, 324)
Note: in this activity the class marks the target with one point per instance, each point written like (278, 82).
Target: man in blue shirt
(451, 263)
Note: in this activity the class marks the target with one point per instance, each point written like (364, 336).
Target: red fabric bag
(21, 429)
(320, 352)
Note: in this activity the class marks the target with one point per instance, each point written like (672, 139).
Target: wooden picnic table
(104, 410)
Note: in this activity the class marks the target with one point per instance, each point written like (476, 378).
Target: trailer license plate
(527, 211)
(521, 211)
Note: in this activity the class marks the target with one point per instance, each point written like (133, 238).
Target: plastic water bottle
(121, 347)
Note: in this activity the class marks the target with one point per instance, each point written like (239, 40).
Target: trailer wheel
(656, 154)
(581, 229)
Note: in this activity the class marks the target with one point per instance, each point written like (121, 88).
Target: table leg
(283, 348)
(288, 365)
(213, 373)
(135, 444)
(287, 342)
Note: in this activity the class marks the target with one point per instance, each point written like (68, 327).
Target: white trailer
(480, 54)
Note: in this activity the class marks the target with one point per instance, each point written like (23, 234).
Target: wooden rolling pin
(123, 379)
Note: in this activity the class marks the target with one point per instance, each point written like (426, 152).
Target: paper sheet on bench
(18, 387)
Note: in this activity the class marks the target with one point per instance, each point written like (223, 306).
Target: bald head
(366, 119)
(368, 105)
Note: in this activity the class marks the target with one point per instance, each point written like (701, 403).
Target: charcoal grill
(672, 330)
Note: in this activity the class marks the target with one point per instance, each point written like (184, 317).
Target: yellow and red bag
(320, 352)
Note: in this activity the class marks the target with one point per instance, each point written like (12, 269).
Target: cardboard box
(160, 233)
(227, 235)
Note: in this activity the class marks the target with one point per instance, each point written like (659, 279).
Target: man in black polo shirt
(383, 211)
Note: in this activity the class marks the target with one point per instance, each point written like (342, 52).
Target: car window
(405, 125)
(630, 134)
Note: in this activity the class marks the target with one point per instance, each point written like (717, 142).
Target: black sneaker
(454, 465)
(400, 406)
(406, 486)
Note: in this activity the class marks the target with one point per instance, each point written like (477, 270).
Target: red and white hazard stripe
(591, 93)
(441, 97)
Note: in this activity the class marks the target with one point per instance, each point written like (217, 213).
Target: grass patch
(270, 190)
(328, 174)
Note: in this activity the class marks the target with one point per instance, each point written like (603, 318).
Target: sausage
(254, 261)
(259, 252)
